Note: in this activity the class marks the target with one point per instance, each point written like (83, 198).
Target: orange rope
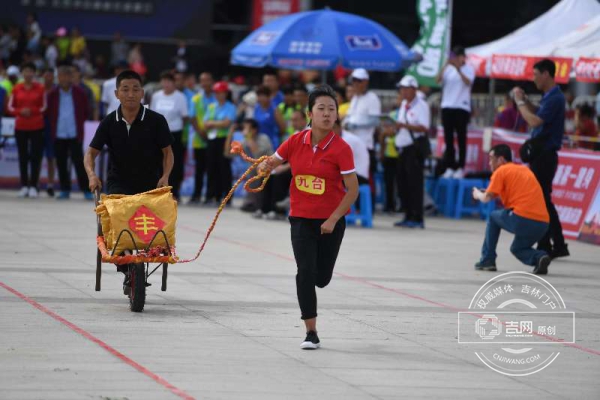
(154, 255)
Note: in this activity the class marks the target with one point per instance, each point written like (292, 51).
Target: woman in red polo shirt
(323, 187)
(28, 103)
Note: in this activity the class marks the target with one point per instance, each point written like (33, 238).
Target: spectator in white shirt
(363, 116)
(173, 105)
(109, 88)
(414, 120)
(457, 79)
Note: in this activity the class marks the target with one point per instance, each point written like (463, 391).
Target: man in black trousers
(548, 127)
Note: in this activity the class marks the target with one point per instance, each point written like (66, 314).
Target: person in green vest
(390, 155)
(286, 108)
(217, 121)
(63, 43)
(12, 77)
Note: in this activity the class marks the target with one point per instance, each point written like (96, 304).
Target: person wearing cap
(414, 119)
(173, 105)
(109, 87)
(12, 77)
(323, 187)
(217, 121)
(363, 115)
(456, 78)
(28, 104)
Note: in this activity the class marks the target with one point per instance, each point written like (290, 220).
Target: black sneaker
(50, 192)
(541, 267)
(311, 342)
(560, 252)
(485, 266)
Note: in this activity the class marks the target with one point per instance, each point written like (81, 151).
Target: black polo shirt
(135, 152)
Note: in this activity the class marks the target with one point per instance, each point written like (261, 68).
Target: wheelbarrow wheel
(137, 279)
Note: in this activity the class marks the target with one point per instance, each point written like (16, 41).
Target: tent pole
(324, 76)
(491, 112)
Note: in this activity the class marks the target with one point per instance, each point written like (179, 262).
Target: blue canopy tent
(322, 40)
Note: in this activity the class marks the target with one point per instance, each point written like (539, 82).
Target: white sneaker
(33, 193)
(257, 214)
(448, 174)
(24, 192)
(459, 174)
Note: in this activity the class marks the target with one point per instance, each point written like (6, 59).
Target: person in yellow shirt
(78, 44)
(525, 214)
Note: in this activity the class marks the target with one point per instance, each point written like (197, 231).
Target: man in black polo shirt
(548, 127)
(138, 141)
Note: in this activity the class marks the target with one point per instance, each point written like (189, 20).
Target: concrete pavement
(228, 327)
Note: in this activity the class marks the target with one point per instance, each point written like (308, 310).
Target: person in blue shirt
(548, 126)
(218, 119)
(270, 80)
(269, 118)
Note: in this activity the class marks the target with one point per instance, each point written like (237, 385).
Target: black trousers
(218, 170)
(455, 120)
(63, 150)
(410, 176)
(315, 255)
(177, 174)
(276, 189)
(30, 146)
(390, 166)
(544, 167)
(200, 159)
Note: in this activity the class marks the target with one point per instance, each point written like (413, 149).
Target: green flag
(433, 42)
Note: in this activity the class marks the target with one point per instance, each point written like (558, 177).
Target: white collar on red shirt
(322, 144)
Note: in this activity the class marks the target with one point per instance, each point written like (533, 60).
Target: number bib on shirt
(310, 184)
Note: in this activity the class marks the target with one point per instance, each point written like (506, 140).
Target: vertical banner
(264, 11)
(432, 43)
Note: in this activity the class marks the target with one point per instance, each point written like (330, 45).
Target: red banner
(479, 64)
(264, 11)
(588, 70)
(520, 68)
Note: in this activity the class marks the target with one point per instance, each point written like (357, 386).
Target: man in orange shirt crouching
(525, 213)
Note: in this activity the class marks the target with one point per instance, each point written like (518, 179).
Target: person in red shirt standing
(28, 103)
(324, 185)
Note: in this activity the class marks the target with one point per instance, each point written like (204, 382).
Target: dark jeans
(455, 120)
(410, 176)
(177, 174)
(544, 168)
(200, 159)
(218, 170)
(276, 189)
(527, 232)
(315, 255)
(30, 146)
(390, 166)
(63, 149)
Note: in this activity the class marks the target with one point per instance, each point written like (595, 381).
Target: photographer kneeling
(525, 214)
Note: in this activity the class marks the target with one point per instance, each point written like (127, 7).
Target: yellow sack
(142, 214)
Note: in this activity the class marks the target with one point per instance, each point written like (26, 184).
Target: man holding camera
(548, 127)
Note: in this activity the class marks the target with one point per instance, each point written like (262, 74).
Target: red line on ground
(104, 345)
(378, 286)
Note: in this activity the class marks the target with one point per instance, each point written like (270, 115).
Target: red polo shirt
(317, 185)
(33, 98)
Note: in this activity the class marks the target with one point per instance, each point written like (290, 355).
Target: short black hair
(252, 122)
(128, 74)
(168, 75)
(341, 91)
(28, 65)
(263, 90)
(300, 87)
(321, 91)
(458, 51)
(502, 150)
(586, 110)
(546, 65)
(287, 89)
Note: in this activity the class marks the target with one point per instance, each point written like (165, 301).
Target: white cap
(13, 70)
(360, 73)
(408, 81)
